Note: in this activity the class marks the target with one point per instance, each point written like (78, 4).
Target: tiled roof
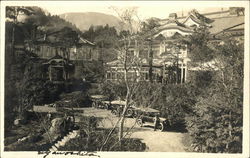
(221, 24)
(197, 17)
(218, 24)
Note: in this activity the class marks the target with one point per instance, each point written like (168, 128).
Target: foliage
(31, 88)
(113, 90)
(198, 45)
(202, 78)
(91, 139)
(93, 72)
(216, 122)
(75, 99)
(150, 24)
(174, 101)
(33, 131)
(105, 39)
(24, 83)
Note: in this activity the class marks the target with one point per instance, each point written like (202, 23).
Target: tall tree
(130, 63)
(12, 13)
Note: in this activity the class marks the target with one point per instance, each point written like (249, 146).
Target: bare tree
(130, 63)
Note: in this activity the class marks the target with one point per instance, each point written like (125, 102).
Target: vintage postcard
(125, 79)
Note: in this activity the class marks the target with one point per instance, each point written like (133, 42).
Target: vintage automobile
(146, 117)
(100, 101)
(117, 108)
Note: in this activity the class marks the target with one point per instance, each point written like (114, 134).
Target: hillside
(84, 20)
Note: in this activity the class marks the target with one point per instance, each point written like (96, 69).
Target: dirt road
(155, 141)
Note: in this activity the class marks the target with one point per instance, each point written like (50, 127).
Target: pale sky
(146, 9)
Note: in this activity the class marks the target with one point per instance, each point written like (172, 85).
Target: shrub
(174, 101)
(113, 90)
(217, 119)
(216, 125)
(75, 99)
(93, 142)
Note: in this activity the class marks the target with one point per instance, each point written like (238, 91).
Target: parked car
(146, 118)
(100, 101)
(117, 108)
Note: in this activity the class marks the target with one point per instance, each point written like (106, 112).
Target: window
(113, 76)
(108, 75)
(89, 54)
(145, 76)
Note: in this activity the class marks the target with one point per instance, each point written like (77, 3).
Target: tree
(216, 122)
(130, 66)
(199, 45)
(13, 13)
(104, 38)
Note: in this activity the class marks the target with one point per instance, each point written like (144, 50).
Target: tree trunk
(13, 44)
(121, 124)
(150, 72)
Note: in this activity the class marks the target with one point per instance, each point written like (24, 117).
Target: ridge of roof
(210, 13)
(197, 17)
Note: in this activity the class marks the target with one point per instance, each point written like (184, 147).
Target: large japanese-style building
(169, 55)
(60, 61)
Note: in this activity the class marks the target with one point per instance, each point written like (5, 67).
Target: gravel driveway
(155, 141)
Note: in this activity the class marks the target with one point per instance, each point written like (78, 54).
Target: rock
(55, 130)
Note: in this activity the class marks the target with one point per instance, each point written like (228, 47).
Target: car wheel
(161, 127)
(129, 112)
(93, 105)
(134, 115)
(139, 122)
(107, 106)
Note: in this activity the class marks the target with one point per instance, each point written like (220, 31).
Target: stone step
(67, 138)
(57, 145)
(51, 149)
(70, 133)
(72, 136)
(54, 148)
(62, 143)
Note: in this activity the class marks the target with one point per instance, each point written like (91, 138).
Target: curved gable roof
(197, 18)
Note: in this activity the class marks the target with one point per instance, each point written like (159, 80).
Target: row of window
(131, 75)
(48, 52)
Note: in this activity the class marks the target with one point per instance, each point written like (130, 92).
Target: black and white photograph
(84, 78)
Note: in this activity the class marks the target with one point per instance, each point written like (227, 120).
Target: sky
(146, 9)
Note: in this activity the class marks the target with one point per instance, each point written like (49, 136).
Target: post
(177, 64)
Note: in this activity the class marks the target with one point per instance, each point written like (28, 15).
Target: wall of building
(84, 53)
(46, 51)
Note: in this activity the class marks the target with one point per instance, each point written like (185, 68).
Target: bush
(174, 101)
(94, 139)
(216, 125)
(75, 99)
(77, 85)
(217, 119)
(113, 90)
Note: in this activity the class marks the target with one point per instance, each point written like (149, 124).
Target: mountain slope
(84, 20)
